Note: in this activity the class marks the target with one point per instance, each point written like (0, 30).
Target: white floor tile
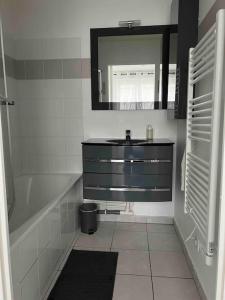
(169, 264)
(107, 226)
(104, 249)
(174, 289)
(164, 242)
(161, 228)
(172, 279)
(100, 239)
(133, 262)
(130, 240)
(136, 227)
(128, 287)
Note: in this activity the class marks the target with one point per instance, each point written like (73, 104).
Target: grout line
(163, 276)
(135, 275)
(153, 294)
(143, 275)
(110, 248)
(170, 251)
(131, 250)
(101, 249)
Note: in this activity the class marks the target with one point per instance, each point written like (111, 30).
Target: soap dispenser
(149, 132)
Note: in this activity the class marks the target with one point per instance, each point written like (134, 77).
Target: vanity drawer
(125, 167)
(132, 195)
(127, 152)
(120, 180)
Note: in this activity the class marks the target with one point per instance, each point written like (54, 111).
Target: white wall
(123, 50)
(204, 7)
(114, 123)
(46, 122)
(50, 111)
(206, 274)
(70, 18)
(74, 18)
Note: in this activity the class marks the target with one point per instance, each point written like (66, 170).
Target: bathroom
(49, 108)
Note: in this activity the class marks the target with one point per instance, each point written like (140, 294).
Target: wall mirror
(133, 68)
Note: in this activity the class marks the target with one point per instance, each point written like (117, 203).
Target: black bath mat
(87, 275)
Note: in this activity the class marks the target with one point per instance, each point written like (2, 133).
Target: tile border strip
(69, 68)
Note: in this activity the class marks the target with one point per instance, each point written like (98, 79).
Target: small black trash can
(88, 218)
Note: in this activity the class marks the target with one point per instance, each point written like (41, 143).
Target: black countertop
(105, 141)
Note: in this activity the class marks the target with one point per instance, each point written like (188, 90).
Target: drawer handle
(152, 161)
(127, 189)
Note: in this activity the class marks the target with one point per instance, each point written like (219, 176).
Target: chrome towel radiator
(206, 68)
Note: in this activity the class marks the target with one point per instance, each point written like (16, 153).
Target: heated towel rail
(206, 63)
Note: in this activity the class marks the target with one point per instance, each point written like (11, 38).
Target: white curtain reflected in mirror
(131, 83)
(134, 71)
(128, 70)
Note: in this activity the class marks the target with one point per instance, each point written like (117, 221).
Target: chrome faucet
(128, 133)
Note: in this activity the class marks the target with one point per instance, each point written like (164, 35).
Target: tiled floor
(151, 265)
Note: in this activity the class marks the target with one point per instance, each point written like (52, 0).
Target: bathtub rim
(20, 233)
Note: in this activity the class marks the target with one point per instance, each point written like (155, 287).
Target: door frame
(5, 264)
(220, 282)
(6, 290)
(220, 288)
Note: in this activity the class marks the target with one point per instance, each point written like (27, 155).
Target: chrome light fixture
(130, 23)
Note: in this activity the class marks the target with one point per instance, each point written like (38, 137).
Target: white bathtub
(43, 227)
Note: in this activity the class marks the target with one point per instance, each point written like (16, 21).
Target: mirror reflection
(136, 71)
(129, 68)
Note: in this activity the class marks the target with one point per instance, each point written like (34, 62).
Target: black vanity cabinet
(133, 173)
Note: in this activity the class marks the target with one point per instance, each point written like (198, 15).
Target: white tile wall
(48, 48)
(72, 107)
(49, 112)
(28, 48)
(14, 128)
(9, 45)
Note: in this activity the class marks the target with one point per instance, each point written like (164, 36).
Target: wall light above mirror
(133, 68)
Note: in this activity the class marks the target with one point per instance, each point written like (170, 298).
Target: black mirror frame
(95, 33)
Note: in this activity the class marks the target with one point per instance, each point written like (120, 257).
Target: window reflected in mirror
(131, 83)
(131, 72)
(129, 69)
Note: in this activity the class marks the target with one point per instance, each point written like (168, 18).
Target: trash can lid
(88, 207)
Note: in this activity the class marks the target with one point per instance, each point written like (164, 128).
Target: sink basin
(127, 142)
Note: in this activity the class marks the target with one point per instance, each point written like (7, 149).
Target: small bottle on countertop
(149, 132)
